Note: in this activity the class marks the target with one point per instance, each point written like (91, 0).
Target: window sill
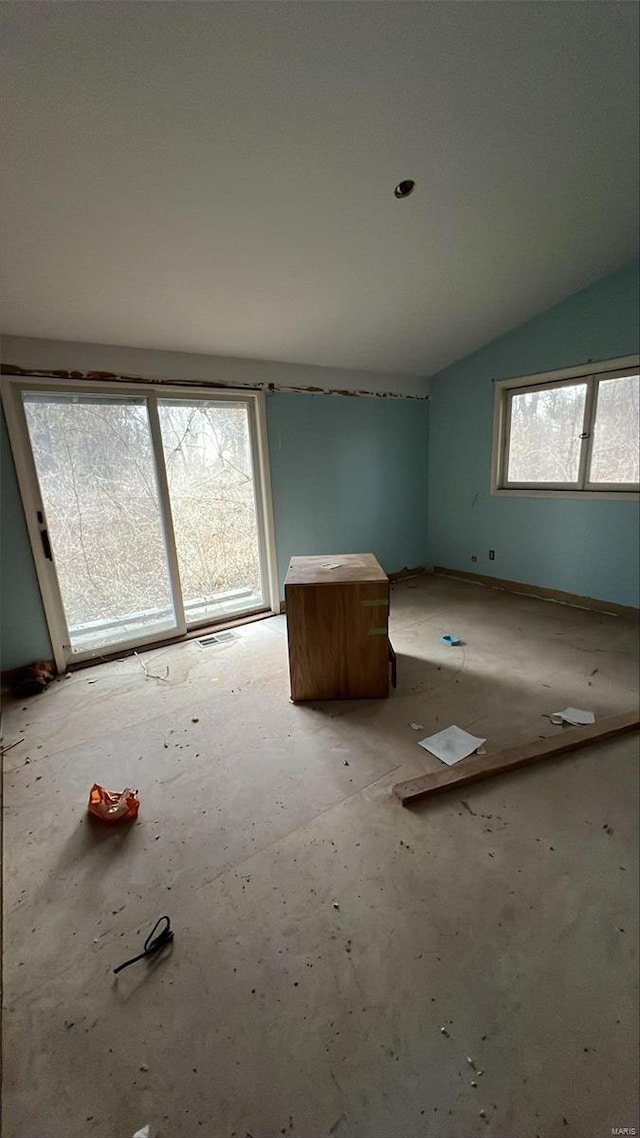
(531, 492)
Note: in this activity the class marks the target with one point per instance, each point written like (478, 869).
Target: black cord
(152, 944)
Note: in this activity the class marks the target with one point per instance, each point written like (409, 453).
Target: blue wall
(349, 475)
(24, 635)
(581, 546)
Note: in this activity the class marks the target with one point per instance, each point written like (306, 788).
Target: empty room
(319, 564)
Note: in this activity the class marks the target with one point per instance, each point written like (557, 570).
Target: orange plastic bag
(111, 806)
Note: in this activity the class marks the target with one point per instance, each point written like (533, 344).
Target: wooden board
(338, 634)
(358, 567)
(477, 767)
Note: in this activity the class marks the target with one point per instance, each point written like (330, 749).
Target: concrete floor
(324, 934)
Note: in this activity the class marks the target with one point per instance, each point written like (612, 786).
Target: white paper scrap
(574, 715)
(452, 744)
(417, 726)
(331, 564)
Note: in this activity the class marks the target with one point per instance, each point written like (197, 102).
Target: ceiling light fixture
(403, 189)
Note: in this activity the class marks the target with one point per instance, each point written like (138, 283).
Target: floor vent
(217, 638)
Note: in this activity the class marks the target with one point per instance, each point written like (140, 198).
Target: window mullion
(589, 428)
(586, 436)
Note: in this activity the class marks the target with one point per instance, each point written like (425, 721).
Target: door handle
(46, 544)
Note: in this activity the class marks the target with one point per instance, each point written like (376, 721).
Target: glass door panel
(210, 477)
(95, 465)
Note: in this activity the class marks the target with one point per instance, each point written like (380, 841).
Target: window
(576, 435)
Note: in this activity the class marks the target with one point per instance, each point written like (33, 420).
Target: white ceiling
(218, 177)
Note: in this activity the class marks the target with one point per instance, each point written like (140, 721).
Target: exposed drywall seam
(112, 377)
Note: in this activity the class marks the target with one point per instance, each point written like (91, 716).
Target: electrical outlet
(492, 555)
(473, 557)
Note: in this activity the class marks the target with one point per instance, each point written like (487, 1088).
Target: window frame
(588, 374)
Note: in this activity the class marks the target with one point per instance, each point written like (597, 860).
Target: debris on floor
(151, 675)
(3, 750)
(576, 716)
(512, 758)
(113, 806)
(452, 744)
(152, 945)
(450, 640)
(417, 726)
(33, 679)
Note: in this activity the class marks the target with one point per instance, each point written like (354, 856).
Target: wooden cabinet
(337, 625)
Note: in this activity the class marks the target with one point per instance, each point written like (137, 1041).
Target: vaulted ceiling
(219, 177)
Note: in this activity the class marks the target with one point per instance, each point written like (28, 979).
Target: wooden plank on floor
(477, 767)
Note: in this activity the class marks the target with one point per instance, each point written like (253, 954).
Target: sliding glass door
(148, 509)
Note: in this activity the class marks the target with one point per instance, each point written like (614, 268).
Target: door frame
(35, 515)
